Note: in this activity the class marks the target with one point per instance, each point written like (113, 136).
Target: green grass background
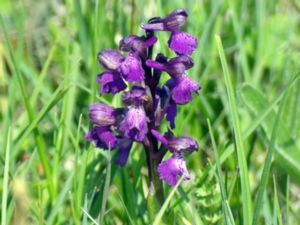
(246, 117)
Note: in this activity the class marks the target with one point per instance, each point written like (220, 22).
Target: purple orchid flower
(111, 82)
(144, 102)
(132, 69)
(110, 59)
(102, 137)
(182, 43)
(134, 124)
(102, 115)
(136, 96)
(174, 66)
(182, 87)
(173, 21)
(176, 144)
(172, 169)
(136, 44)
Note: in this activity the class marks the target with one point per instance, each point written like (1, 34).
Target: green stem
(155, 197)
(156, 181)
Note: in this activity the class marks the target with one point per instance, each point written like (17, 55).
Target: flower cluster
(145, 103)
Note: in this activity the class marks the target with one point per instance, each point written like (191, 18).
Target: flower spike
(136, 78)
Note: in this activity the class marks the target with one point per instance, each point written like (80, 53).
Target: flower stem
(155, 183)
(156, 192)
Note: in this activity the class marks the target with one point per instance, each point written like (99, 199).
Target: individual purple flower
(173, 21)
(124, 146)
(176, 144)
(102, 137)
(136, 96)
(111, 82)
(102, 115)
(182, 43)
(134, 124)
(110, 59)
(136, 44)
(182, 87)
(131, 69)
(174, 66)
(172, 169)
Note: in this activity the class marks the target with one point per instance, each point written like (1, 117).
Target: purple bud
(102, 137)
(172, 169)
(136, 96)
(174, 66)
(110, 59)
(102, 115)
(182, 43)
(173, 21)
(176, 144)
(134, 124)
(111, 82)
(182, 87)
(136, 43)
(182, 144)
(124, 146)
(132, 69)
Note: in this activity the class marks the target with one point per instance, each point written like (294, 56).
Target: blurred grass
(240, 148)
(47, 81)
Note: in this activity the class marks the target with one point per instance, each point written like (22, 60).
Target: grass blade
(166, 203)
(43, 74)
(58, 94)
(106, 191)
(246, 194)
(277, 211)
(238, 30)
(60, 200)
(226, 208)
(5, 179)
(287, 200)
(89, 216)
(267, 165)
(83, 35)
(124, 206)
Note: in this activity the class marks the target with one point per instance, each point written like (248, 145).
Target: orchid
(146, 103)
